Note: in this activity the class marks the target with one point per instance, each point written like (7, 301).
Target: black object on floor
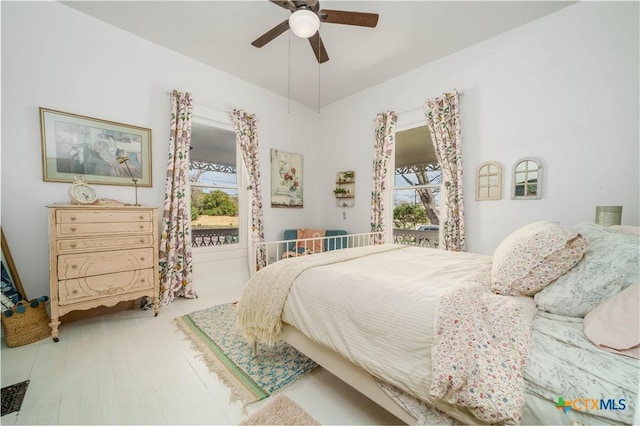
(12, 397)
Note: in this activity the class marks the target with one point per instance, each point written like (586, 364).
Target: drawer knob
(73, 245)
(74, 266)
(73, 218)
(73, 229)
(141, 217)
(142, 258)
(141, 240)
(141, 280)
(75, 292)
(141, 227)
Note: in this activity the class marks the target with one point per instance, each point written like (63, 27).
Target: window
(416, 193)
(215, 187)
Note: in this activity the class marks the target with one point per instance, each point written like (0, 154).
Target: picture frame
(286, 179)
(74, 145)
(10, 279)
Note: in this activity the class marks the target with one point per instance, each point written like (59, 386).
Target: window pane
(214, 205)
(212, 178)
(408, 178)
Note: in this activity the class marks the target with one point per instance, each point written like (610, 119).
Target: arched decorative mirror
(527, 179)
(489, 181)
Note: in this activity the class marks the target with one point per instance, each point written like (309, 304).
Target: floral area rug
(251, 377)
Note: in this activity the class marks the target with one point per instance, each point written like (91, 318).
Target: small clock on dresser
(81, 193)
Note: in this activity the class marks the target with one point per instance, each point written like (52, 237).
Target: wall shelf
(345, 189)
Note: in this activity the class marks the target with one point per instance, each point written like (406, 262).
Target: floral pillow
(609, 266)
(534, 256)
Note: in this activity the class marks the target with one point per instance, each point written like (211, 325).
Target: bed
(443, 337)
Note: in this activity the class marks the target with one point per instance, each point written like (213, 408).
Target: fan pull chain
(289, 77)
(319, 41)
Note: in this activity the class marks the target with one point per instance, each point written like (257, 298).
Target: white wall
(56, 57)
(563, 88)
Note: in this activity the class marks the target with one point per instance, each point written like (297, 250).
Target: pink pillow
(615, 324)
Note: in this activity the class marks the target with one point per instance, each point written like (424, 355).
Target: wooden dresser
(100, 256)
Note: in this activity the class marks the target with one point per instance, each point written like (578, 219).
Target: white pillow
(609, 266)
(626, 229)
(533, 256)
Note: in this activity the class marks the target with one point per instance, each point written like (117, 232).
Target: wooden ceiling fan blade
(271, 34)
(360, 19)
(318, 48)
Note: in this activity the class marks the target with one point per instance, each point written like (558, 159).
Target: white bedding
(386, 329)
(563, 362)
(382, 318)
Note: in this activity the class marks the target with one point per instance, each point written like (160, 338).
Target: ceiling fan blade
(287, 4)
(360, 19)
(271, 34)
(318, 48)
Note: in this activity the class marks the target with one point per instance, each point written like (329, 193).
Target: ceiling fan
(305, 19)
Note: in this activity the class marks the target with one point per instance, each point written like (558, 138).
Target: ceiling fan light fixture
(304, 23)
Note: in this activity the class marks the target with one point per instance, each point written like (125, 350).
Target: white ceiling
(409, 34)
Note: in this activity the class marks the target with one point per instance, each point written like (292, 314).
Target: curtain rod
(225, 111)
(421, 106)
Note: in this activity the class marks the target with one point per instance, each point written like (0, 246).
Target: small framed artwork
(77, 145)
(12, 290)
(489, 181)
(286, 179)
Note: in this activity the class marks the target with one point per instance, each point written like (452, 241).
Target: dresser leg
(54, 324)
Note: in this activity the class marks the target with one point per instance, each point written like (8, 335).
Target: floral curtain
(443, 119)
(383, 147)
(175, 243)
(246, 129)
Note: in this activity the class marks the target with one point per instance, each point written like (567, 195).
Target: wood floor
(130, 367)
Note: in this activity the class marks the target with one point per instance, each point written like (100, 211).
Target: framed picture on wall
(286, 179)
(77, 145)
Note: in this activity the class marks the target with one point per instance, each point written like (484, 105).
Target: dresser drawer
(96, 287)
(102, 216)
(103, 262)
(89, 229)
(125, 241)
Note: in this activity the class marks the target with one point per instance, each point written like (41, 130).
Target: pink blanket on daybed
(316, 246)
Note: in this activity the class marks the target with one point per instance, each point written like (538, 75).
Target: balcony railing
(209, 237)
(416, 238)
